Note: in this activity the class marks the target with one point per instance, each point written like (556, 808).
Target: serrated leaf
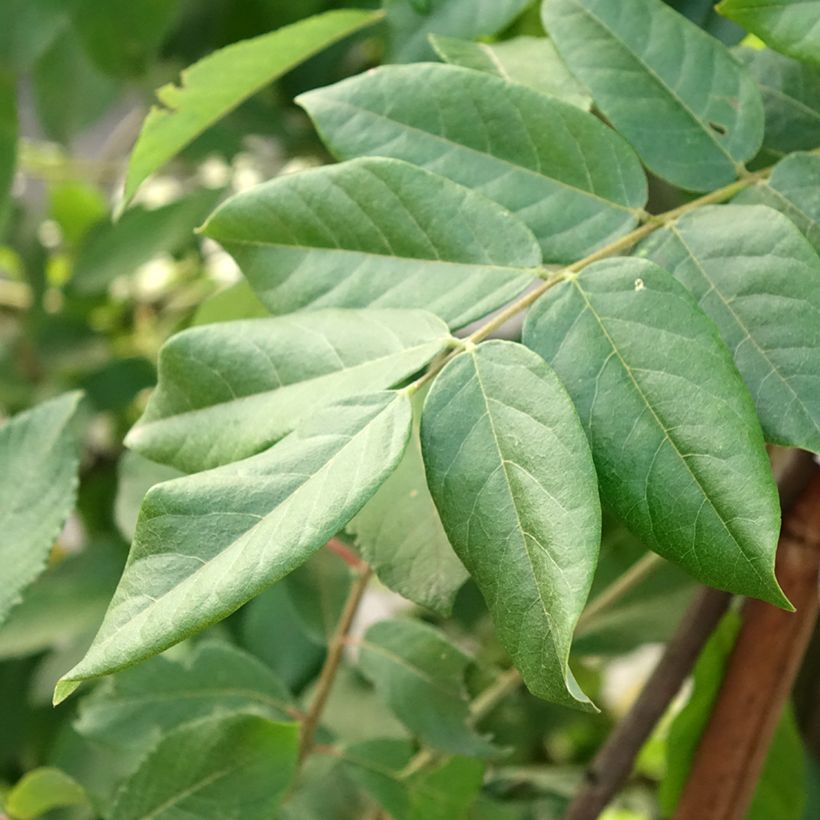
(790, 26)
(135, 707)
(230, 390)
(573, 181)
(524, 519)
(791, 99)
(235, 766)
(41, 791)
(40, 454)
(794, 189)
(420, 675)
(674, 433)
(409, 22)
(219, 82)
(689, 109)
(208, 543)
(399, 534)
(758, 278)
(530, 61)
(370, 233)
(445, 791)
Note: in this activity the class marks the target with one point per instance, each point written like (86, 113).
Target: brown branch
(613, 763)
(759, 676)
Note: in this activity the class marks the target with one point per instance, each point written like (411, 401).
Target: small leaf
(137, 706)
(208, 543)
(230, 390)
(674, 433)
(524, 519)
(791, 99)
(420, 675)
(756, 276)
(573, 181)
(409, 22)
(41, 791)
(40, 454)
(530, 61)
(790, 26)
(794, 189)
(675, 92)
(235, 766)
(399, 534)
(219, 82)
(364, 234)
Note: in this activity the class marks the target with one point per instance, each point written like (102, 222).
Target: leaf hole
(639, 284)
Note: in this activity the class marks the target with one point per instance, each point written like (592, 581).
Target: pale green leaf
(235, 766)
(238, 301)
(791, 99)
(531, 61)
(790, 26)
(675, 92)
(40, 454)
(41, 791)
(371, 233)
(420, 675)
(794, 189)
(230, 390)
(399, 534)
(135, 707)
(219, 82)
(409, 22)
(573, 181)
(510, 470)
(758, 278)
(208, 543)
(674, 433)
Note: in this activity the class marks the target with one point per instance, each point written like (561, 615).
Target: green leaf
(420, 675)
(674, 433)
(794, 189)
(219, 82)
(572, 180)
(238, 301)
(41, 791)
(8, 140)
(758, 278)
(370, 233)
(524, 519)
(409, 23)
(399, 534)
(790, 26)
(690, 110)
(135, 707)
(208, 543)
(530, 61)
(324, 792)
(229, 390)
(135, 476)
(791, 99)
(40, 454)
(235, 766)
(445, 791)
(111, 251)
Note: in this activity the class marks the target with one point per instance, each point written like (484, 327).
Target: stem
(332, 662)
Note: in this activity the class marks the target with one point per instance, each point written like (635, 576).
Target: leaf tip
(64, 689)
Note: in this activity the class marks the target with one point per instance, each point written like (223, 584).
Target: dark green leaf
(370, 232)
(235, 766)
(524, 519)
(573, 181)
(674, 433)
(208, 543)
(229, 390)
(40, 454)
(691, 112)
(222, 80)
(758, 278)
(420, 675)
(531, 61)
(409, 23)
(40, 791)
